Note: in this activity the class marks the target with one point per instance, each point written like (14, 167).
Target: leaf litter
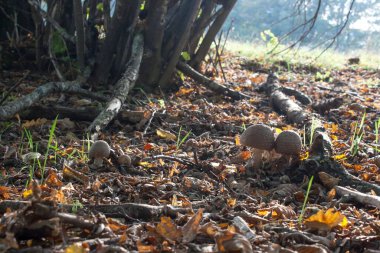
(187, 188)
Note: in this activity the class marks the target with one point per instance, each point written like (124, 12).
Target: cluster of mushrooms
(262, 139)
(100, 150)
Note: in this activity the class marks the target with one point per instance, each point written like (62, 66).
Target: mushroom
(288, 143)
(261, 138)
(125, 160)
(98, 151)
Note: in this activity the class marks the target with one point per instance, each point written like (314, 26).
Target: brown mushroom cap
(258, 136)
(124, 160)
(99, 150)
(288, 143)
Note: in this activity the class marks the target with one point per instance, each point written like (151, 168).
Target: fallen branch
(198, 77)
(123, 86)
(321, 149)
(136, 211)
(10, 109)
(360, 197)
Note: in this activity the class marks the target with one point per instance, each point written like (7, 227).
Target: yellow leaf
(340, 157)
(237, 140)
(326, 220)
(76, 248)
(263, 212)
(304, 156)
(26, 194)
(166, 134)
(231, 202)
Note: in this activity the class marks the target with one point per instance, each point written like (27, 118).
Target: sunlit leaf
(231, 202)
(237, 140)
(52, 180)
(325, 221)
(186, 56)
(27, 193)
(184, 91)
(76, 248)
(166, 134)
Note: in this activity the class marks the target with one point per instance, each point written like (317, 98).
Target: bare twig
(363, 198)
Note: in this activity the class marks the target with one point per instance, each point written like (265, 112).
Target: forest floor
(189, 168)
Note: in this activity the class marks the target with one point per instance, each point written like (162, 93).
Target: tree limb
(221, 89)
(10, 109)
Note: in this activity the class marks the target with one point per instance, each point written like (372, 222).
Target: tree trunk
(177, 37)
(105, 58)
(78, 18)
(212, 32)
(154, 34)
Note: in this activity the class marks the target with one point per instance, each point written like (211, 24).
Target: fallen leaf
(325, 221)
(166, 134)
(168, 229)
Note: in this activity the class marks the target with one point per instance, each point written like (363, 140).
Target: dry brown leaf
(34, 123)
(232, 242)
(328, 180)
(168, 229)
(190, 229)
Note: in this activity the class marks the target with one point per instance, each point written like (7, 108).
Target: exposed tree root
(218, 88)
(73, 87)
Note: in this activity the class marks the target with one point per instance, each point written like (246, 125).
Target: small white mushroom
(98, 151)
(261, 138)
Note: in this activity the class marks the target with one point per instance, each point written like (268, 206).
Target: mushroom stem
(257, 158)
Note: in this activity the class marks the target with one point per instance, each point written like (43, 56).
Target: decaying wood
(282, 103)
(360, 197)
(301, 97)
(134, 210)
(8, 110)
(321, 150)
(326, 105)
(214, 86)
(123, 86)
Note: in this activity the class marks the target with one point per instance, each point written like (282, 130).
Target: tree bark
(212, 32)
(105, 58)
(78, 19)
(73, 87)
(123, 86)
(221, 89)
(179, 37)
(200, 25)
(154, 33)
